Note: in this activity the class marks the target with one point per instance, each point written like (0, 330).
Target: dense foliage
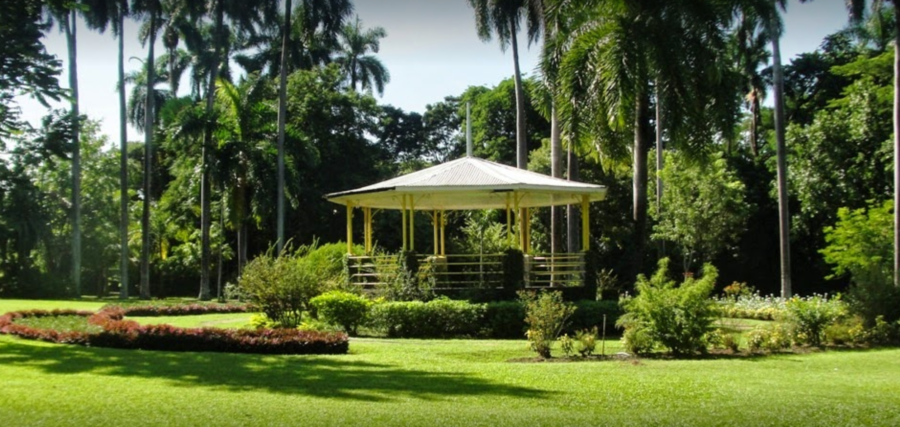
(664, 313)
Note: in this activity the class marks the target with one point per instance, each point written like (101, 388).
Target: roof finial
(468, 129)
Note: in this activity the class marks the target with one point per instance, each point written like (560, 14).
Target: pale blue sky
(431, 51)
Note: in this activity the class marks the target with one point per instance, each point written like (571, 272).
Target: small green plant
(546, 315)
(675, 317)
(770, 338)
(567, 344)
(342, 308)
(586, 342)
(808, 317)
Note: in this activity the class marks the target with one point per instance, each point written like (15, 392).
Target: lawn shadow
(318, 376)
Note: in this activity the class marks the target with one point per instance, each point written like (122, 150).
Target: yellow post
(368, 230)
(349, 228)
(527, 225)
(443, 245)
(518, 214)
(585, 221)
(508, 221)
(412, 224)
(403, 214)
(434, 223)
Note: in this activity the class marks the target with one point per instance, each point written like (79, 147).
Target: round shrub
(342, 308)
(280, 286)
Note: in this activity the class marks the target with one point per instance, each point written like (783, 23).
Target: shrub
(722, 339)
(342, 308)
(771, 338)
(567, 344)
(280, 286)
(403, 279)
(505, 319)
(675, 317)
(545, 315)
(808, 317)
(439, 318)
(861, 244)
(638, 340)
(586, 342)
(156, 310)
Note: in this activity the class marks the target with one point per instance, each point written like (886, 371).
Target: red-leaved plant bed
(128, 334)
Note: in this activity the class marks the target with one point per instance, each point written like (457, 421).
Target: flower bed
(120, 333)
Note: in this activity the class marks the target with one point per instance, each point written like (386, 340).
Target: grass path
(439, 383)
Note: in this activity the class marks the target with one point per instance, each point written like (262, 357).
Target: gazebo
(469, 183)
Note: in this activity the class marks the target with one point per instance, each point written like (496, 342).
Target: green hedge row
(444, 318)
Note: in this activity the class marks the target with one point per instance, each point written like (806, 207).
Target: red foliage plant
(120, 333)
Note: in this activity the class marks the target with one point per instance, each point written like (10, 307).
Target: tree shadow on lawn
(327, 377)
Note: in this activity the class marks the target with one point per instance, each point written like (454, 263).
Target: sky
(431, 51)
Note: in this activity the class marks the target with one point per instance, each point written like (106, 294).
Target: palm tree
(242, 16)
(325, 17)
(353, 57)
(66, 15)
(750, 40)
(182, 17)
(100, 15)
(617, 49)
(152, 11)
(504, 17)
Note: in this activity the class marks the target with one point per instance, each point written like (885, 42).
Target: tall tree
(100, 15)
(151, 11)
(749, 40)
(242, 16)
(66, 15)
(354, 58)
(617, 49)
(504, 18)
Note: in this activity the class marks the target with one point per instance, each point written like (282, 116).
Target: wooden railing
(557, 270)
(470, 271)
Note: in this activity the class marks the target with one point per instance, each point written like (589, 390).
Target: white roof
(470, 183)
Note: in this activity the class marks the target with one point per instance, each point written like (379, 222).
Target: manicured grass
(60, 323)
(7, 305)
(438, 383)
(226, 320)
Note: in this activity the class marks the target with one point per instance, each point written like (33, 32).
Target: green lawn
(437, 383)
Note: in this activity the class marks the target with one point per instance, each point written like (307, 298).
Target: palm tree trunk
(659, 165)
(204, 168)
(148, 164)
(282, 119)
(71, 40)
(783, 216)
(896, 144)
(123, 168)
(556, 172)
(641, 146)
(754, 124)
(521, 141)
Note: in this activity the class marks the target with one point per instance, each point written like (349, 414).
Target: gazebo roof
(470, 183)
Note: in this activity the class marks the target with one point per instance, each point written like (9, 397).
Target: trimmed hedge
(439, 318)
(156, 310)
(128, 334)
(443, 318)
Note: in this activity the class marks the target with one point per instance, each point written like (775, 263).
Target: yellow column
(368, 229)
(508, 221)
(403, 214)
(350, 228)
(434, 224)
(585, 221)
(527, 226)
(518, 214)
(412, 224)
(443, 245)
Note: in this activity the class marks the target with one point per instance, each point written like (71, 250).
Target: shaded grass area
(61, 323)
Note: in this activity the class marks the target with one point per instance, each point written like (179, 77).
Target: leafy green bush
(438, 318)
(586, 342)
(675, 317)
(770, 338)
(546, 315)
(342, 308)
(280, 286)
(808, 317)
(861, 244)
(505, 319)
(722, 339)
